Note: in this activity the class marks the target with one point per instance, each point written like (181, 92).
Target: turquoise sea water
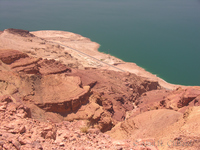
(162, 36)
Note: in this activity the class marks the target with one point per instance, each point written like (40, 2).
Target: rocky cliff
(56, 97)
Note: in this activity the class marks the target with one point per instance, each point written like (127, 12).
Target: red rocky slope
(50, 92)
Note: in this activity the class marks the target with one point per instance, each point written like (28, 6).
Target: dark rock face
(197, 101)
(9, 56)
(19, 32)
(189, 95)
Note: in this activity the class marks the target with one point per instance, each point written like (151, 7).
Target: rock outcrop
(40, 82)
(58, 90)
(9, 56)
(114, 92)
(179, 100)
(21, 62)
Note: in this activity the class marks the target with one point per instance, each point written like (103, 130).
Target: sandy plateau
(57, 91)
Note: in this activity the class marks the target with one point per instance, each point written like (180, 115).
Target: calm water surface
(162, 36)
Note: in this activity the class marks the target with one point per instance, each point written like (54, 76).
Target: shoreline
(91, 49)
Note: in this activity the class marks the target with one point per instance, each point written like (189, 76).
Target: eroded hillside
(45, 86)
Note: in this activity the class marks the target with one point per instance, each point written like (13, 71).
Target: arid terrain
(58, 92)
